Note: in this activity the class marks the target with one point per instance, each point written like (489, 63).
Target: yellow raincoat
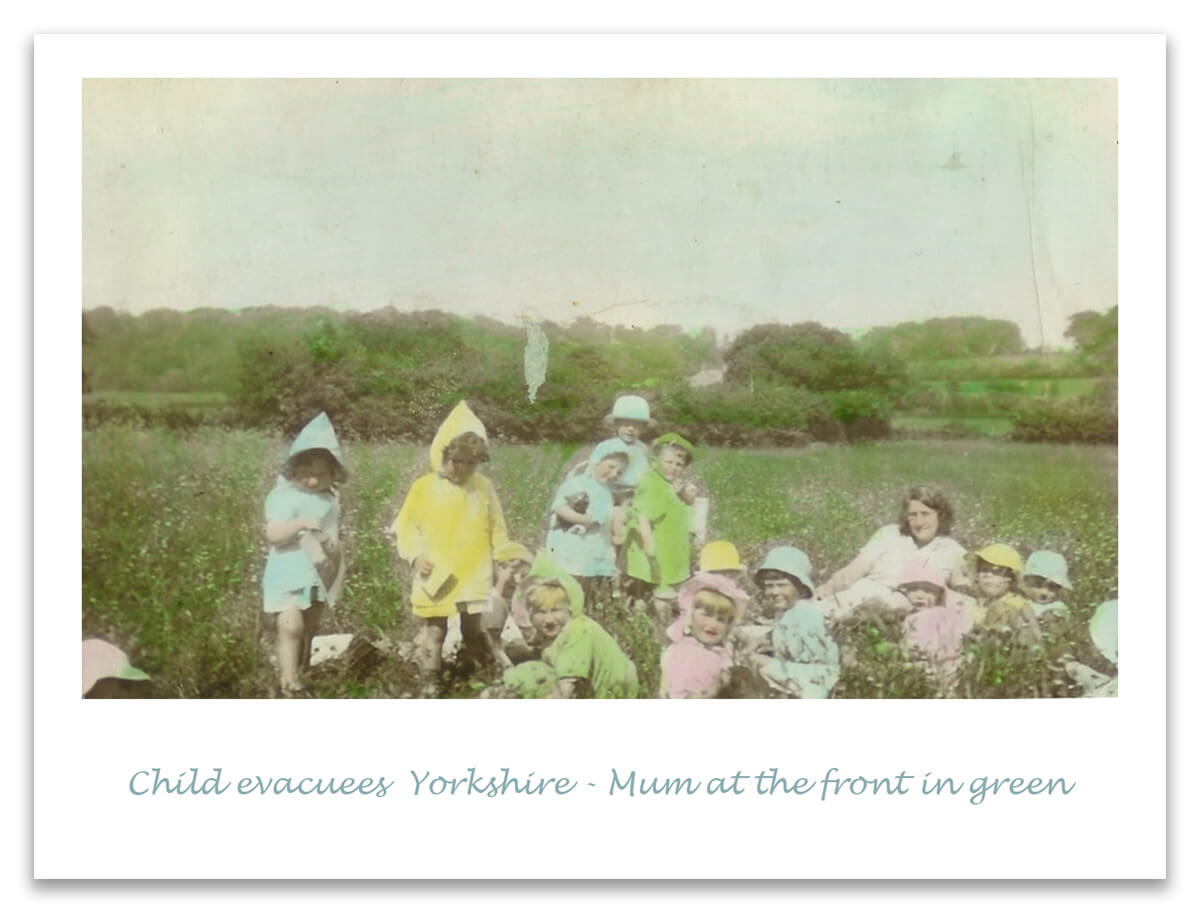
(457, 527)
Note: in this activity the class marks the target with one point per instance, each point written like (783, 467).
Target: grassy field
(157, 400)
(989, 425)
(172, 549)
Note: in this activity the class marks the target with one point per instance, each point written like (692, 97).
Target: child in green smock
(586, 660)
(660, 521)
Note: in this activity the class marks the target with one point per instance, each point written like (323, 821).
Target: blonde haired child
(697, 661)
(449, 529)
(304, 562)
(586, 660)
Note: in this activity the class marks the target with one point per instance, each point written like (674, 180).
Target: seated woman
(922, 532)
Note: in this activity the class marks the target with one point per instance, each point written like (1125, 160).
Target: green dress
(670, 522)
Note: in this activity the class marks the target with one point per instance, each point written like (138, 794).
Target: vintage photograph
(599, 388)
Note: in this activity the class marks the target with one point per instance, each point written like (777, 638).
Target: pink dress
(938, 632)
(689, 668)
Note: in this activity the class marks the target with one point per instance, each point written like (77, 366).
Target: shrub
(1073, 421)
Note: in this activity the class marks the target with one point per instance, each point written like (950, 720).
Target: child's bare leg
(429, 646)
(290, 625)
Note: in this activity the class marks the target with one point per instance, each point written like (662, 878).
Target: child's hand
(424, 566)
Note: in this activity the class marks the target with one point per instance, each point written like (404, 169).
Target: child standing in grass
(581, 536)
(449, 529)
(629, 418)
(585, 659)
(305, 563)
(697, 661)
(659, 523)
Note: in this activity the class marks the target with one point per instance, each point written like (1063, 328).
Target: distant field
(173, 552)
(1058, 364)
(1044, 386)
(993, 426)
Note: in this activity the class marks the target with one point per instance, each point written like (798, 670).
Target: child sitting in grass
(659, 524)
(1096, 669)
(697, 661)
(586, 660)
(506, 620)
(939, 621)
(996, 569)
(450, 527)
(304, 563)
(581, 537)
(1044, 581)
(801, 659)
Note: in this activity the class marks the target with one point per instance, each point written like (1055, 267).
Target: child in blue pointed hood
(305, 564)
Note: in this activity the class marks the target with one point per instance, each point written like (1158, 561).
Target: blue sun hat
(789, 560)
(1050, 565)
(318, 434)
(629, 408)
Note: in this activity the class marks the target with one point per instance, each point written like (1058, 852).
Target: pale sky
(697, 202)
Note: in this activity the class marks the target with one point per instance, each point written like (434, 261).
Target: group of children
(620, 522)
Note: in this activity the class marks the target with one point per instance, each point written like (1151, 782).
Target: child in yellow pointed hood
(449, 529)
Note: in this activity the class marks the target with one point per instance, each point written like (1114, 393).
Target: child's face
(922, 597)
(313, 471)
(550, 622)
(922, 522)
(993, 581)
(710, 625)
(629, 431)
(672, 460)
(1041, 590)
(779, 591)
(608, 468)
(457, 469)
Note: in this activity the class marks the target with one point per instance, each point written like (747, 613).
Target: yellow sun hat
(1001, 556)
(720, 555)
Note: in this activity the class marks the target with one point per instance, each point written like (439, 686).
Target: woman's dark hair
(933, 497)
